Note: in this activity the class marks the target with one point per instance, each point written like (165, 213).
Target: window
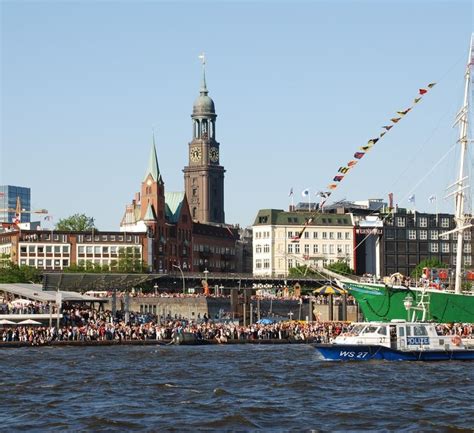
(467, 260)
(434, 235)
(290, 248)
(444, 247)
(266, 263)
(315, 235)
(339, 235)
(80, 249)
(266, 248)
(290, 235)
(31, 249)
(412, 234)
(97, 250)
(467, 248)
(297, 248)
(290, 263)
(23, 249)
(325, 235)
(325, 249)
(331, 249)
(445, 223)
(306, 248)
(433, 248)
(306, 235)
(65, 249)
(40, 249)
(57, 249)
(347, 249)
(31, 262)
(467, 236)
(89, 249)
(331, 235)
(258, 249)
(423, 222)
(315, 249)
(423, 235)
(49, 249)
(347, 236)
(400, 221)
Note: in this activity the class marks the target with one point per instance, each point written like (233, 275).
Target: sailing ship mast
(462, 221)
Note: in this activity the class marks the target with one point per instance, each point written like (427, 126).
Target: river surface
(227, 388)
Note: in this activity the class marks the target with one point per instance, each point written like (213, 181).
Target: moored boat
(396, 341)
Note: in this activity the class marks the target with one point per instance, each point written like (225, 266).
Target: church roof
(149, 214)
(153, 167)
(203, 103)
(174, 203)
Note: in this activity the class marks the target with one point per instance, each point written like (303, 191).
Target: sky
(298, 88)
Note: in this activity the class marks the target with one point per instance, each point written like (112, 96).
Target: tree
(427, 263)
(340, 267)
(301, 271)
(76, 223)
(11, 273)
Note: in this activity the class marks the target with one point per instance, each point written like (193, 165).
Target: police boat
(397, 340)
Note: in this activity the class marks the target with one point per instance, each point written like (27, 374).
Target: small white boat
(396, 341)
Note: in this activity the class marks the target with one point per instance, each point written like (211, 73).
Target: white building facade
(283, 240)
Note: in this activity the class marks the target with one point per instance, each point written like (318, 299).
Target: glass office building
(8, 200)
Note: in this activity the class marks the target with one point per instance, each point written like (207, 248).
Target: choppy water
(227, 388)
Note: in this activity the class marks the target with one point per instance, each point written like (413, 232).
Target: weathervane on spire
(202, 57)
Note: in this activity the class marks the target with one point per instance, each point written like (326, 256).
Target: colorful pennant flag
(332, 186)
(431, 85)
(338, 178)
(382, 134)
(395, 119)
(365, 148)
(372, 141)
(422, 91)
(388, 128)
(403, 113)
(416, 100)
(352, 163)
(343, 170)
(359, 155)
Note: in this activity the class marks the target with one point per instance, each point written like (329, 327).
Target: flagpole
(309, 201)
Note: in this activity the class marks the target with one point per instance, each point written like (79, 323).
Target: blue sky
(298, 88)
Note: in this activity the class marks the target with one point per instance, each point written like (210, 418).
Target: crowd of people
(83, 324)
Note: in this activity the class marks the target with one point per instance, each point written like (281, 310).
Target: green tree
(76, 222)
(11, 273)
(341, 267)
(301, 271)
(427, 263)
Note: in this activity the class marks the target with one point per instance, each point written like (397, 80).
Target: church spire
(203, 90)
(153, 168)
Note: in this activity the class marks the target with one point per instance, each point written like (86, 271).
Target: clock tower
(204, 176)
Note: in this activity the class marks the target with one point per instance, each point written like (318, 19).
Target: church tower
(203, 176)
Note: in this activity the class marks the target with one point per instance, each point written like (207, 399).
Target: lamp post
(407, 303)
(182, 276)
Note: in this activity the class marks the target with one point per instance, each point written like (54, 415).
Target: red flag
(352, 163)
(359, 155)
(422, 91)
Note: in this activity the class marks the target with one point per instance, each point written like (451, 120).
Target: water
(227, 388)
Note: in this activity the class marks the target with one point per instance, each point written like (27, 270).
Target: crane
(18, 211)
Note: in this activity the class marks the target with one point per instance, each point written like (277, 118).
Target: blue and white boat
(396, 341)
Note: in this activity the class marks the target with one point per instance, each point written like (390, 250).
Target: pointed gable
(149, 214)
(174, 204)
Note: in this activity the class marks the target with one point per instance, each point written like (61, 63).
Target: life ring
(456, 340)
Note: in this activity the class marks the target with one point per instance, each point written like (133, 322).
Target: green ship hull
(380, 302)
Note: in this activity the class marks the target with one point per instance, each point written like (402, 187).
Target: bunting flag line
(343, 170)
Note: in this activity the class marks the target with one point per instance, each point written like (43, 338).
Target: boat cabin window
(382, 330)
(419, 330)
(370, 329)
(356, 329)
(401, 331)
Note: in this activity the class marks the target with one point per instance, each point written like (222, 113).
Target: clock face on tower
(214, 154)
(195, 154)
